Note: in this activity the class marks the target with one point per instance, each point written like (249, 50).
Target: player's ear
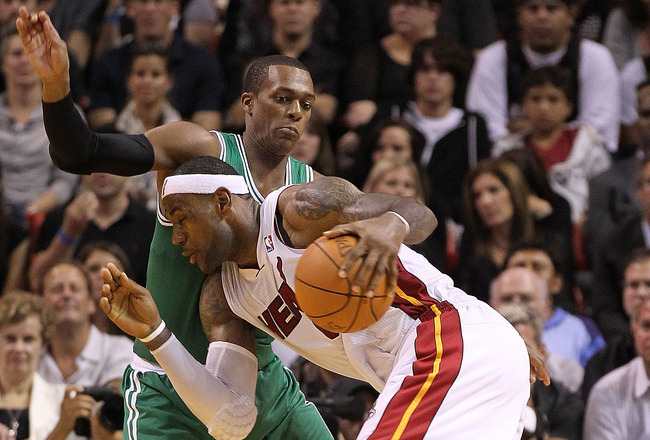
(222, 201)
(247, 102)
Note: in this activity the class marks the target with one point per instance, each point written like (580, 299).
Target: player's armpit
(218, 320)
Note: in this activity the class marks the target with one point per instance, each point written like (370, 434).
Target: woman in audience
(495, 198)
(400, 176)
(389, 138)
(30, 407)
(149, 81)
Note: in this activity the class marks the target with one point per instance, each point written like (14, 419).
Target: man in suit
(611, 196)
(629, 233)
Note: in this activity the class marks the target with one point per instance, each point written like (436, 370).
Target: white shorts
(463, 374)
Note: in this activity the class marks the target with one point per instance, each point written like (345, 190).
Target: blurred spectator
(199, 19)
(455, 139)
(31, 182)
(378, 76)
(564, 334)
(198, 83)
(388, 138)
(14, 250)
(591, 18)
(340, 22)
(621, 350)
(30, 407)
(103, 212)
(458, 19)
(495, 200)
(633, 77)
(555, 411)
(78, 352)
(570, 154)
(612, 197)
(9, 10)
(93, 256)
(293, 28)
(77, 22)
(626, 31)
(149, 83)
(618, 404)
(629, 233)
(546, 38)
(400, 176)
(315, 148)
(573, 337)
(551, 211)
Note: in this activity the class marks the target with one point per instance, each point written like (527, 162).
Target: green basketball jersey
(176, 284)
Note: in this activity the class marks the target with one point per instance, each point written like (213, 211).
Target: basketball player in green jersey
(277, 101)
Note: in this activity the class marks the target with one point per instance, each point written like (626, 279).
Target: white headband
(203, 184)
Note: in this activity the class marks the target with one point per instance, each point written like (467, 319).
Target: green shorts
(154, 411)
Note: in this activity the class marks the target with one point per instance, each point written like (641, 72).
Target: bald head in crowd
(520, 285)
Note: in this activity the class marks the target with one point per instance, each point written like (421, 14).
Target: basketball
(326, 298)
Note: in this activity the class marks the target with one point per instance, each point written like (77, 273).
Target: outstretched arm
(73, 146)
(221, 394)
(333, 207)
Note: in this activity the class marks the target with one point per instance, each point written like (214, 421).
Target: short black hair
(449, 55)
(258, 72)
(205, 165)
(557, 76)
(536, 244)
(150, 48)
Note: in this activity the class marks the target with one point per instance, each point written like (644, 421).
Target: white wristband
(154, 334)
(408, 227)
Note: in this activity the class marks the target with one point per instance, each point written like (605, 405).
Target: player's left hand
(379, 241)
(538, 367)
(129, 305)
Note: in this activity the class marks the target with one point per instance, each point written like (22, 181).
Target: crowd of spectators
(523, 124)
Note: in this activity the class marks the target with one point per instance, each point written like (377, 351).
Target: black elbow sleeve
(76, 149)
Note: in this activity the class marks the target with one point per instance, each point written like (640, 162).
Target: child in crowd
(570, 153)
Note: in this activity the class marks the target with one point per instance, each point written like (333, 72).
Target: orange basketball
(326, 298)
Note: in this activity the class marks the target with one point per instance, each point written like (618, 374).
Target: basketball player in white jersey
(446, 364)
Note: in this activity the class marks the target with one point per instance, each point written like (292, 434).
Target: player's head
(277, 100)
(201, 200)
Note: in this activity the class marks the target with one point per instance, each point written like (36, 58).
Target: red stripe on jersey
(414, 289)
(439, 351)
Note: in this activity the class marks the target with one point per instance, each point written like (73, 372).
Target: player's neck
(268, 170)
(246, 233)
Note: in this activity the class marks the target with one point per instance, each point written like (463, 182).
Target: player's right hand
(128, 304)
(46, 50)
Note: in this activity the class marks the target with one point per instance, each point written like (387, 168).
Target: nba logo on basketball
(268, 243)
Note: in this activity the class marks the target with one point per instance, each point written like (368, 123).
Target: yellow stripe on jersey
(436, 366)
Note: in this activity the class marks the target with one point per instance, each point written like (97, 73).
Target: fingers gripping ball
(326, 298)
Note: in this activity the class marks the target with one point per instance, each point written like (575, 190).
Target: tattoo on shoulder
(329, 195)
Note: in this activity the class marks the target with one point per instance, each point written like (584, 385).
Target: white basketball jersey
(266, 299)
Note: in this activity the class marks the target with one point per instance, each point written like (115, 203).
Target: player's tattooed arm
(218, 320)
(334, 207)
(325, 203)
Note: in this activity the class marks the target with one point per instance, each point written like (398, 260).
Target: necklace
(13, 429)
